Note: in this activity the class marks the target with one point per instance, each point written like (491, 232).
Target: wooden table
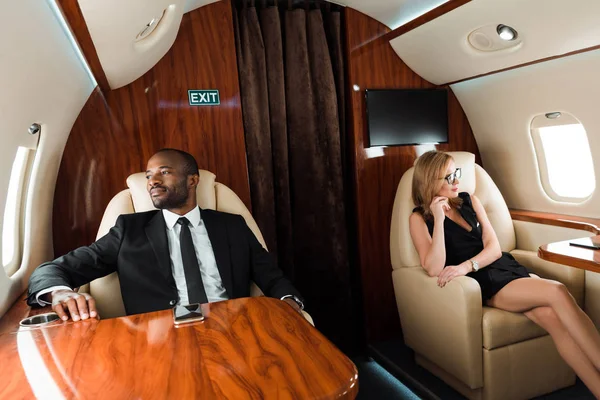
(251, 348)
(578, 257)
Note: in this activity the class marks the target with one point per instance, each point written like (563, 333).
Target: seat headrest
(205, 192)
(465, 161)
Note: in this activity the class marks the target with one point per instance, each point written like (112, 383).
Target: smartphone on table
(185, 313)
(587, 242)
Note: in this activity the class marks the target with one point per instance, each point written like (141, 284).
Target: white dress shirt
(213, 284)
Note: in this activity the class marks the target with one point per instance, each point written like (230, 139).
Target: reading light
(506, 32)
(553, 115)
(356, 88)
(149, 28)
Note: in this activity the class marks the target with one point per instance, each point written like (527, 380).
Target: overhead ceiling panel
(393, 13)
(193, 4)
(115, 26)
(440, 52)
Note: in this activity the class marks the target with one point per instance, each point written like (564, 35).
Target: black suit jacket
(137, 249)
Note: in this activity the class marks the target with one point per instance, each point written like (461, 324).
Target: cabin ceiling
(440, 51)
(393, 13)
(193, 4)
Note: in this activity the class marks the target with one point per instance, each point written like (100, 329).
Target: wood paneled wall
(117, 131)
(374, 65)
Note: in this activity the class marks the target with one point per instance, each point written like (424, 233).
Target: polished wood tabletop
(251, 348)
(578, 257)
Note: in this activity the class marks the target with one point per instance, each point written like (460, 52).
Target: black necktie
(193, 279)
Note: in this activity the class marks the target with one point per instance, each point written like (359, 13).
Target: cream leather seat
(210, 195)
(482, 352)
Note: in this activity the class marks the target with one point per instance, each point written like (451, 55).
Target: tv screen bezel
(368, 141)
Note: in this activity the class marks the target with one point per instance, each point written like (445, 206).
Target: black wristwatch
(296, 299)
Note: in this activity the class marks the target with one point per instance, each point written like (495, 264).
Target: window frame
(22, 194)
(542, 121)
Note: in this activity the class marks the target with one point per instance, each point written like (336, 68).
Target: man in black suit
(178, 254)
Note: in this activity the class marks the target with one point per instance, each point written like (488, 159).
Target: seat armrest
(573, 278)
(308, 318)
(442, 324)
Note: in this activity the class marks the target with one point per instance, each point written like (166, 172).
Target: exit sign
(204, 97)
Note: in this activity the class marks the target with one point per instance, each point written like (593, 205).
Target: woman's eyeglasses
(453, 176)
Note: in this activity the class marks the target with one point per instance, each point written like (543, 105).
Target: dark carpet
(374, 382)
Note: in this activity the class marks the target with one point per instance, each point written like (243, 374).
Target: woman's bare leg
(525, 294)
(567, 348)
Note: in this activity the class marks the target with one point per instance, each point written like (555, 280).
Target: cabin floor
(394, 359)
(377, 383)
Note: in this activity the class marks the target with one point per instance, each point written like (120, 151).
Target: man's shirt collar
(171, 218)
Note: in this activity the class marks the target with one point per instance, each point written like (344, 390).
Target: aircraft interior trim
(383, 199)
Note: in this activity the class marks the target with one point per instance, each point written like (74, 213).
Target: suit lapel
(156, 230)
(217, 233)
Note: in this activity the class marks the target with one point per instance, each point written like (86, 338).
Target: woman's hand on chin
(439, 205)
(452, 271)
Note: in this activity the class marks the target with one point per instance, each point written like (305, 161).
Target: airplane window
(564, 157)
(12, 229)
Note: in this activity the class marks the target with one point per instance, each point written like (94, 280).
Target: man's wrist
(44, 297)
(295, 299)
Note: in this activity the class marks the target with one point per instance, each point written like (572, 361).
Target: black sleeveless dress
(462, 245)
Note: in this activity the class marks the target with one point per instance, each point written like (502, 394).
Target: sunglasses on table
(453, 176)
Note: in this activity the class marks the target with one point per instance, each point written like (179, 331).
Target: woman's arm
(490, 253)
(432, 251)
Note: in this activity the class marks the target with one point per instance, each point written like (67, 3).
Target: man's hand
(67, 303)
(293, 304)
(452, 271)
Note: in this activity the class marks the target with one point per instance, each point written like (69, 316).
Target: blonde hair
(428, 180)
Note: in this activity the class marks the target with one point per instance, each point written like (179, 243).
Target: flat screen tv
(407, 116)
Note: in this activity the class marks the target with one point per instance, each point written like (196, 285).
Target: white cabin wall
(500, 108)
(43, 80)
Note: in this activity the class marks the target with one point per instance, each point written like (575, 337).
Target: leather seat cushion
(501, 328)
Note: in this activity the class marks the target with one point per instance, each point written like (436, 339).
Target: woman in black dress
(454, 237)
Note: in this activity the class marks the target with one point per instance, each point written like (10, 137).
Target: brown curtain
(292, 86)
